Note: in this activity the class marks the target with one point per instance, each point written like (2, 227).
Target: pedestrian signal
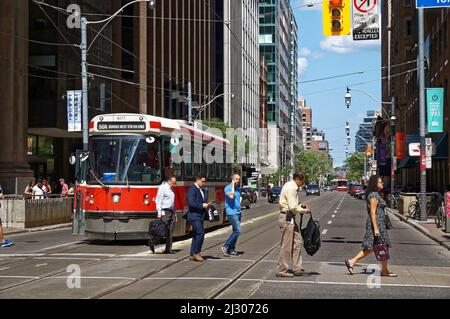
(336, 17)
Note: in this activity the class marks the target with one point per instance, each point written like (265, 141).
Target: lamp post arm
(109, 19)
(203, 107)
(370, 96)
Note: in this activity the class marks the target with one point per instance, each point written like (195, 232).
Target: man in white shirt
(165, 206)
(38, 193)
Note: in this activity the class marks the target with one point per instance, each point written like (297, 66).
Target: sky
(320, 57)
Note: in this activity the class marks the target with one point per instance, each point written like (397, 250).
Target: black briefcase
(159, 228)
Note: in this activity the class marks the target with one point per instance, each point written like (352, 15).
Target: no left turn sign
(364, 6)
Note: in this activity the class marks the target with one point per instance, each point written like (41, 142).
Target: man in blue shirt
(233, 210)
(3, 242)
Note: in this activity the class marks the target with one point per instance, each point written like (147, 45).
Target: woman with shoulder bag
(377, 238)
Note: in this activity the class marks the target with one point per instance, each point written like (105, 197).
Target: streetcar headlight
(91, 200)
(116, 198)
(146, 200)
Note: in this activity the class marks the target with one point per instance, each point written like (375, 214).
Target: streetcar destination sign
(121, 126)
(432, 3)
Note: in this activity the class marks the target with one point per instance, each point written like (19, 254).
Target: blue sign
(432, 3)
(435, 108)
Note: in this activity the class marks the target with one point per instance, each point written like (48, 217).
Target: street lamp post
(348, 101)
(84, 73)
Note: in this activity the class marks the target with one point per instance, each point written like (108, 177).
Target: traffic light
(336, 17)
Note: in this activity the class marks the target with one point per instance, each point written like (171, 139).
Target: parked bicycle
(393, 200)
(433, 206)
(440, 219)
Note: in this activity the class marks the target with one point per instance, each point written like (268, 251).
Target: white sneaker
(225, 251)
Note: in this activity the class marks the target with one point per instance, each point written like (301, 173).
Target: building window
(408, 27)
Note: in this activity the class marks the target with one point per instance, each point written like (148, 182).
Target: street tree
(355, 166)
(313, 163)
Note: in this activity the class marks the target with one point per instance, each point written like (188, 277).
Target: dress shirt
(165, 199)
(289, 199)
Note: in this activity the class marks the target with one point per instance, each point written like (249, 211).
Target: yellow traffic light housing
(336, 17)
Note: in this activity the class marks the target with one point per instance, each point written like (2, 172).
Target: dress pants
(199, 236)
(169, 217)
(291, 245)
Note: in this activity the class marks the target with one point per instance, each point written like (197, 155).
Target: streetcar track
(115, 256)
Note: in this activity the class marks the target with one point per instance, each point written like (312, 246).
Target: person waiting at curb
(3, 241)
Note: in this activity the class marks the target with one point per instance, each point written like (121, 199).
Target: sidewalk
(427, 228)
(13, 231)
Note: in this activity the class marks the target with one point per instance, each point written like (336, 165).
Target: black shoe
(168, 251)
(151, 246)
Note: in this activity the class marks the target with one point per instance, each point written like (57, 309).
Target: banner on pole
(400, 145)
(74, 111)
(435, 110)
(365, 20)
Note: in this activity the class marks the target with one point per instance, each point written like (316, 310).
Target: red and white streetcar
(129, 156)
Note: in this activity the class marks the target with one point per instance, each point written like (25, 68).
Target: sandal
(389, 274)
(350, 268)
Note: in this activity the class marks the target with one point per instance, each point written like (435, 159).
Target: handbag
(381, 250)
(159, 228)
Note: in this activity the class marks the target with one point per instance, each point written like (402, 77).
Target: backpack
(311, 236)
(158, 228)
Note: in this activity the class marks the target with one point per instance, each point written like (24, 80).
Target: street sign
(432, 3)
(365, 20)
(428, 152)
(414, 149)
(74, 111)
(435, 110)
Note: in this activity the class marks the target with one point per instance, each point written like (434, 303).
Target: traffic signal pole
(84, 80)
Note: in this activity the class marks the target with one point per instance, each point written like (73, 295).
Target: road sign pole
(423, 169)
(393, 168)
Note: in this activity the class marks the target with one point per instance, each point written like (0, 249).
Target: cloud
(345, 44)
(305, 52)
(302, 65)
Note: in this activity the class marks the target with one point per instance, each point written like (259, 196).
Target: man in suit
(198, 205)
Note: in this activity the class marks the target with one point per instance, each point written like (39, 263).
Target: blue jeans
(198, 238)
(235, 221)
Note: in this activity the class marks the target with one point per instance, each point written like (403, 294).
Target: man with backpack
(291, 239)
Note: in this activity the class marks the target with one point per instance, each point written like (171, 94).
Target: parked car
(361, 194)
(356, 188)
(245, 199)
(274, 195)
(327, 188)
(253, 194)
(312, 189)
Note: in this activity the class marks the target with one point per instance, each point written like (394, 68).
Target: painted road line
(4, 268)
(84, 254)
(18, 277)
(333, 216)
(188, 278)
(22, 255)
(346, 283)
(91, 277)
(335, 211)
(329, 223)
(66, 258)
(325, 232)
(62, 245)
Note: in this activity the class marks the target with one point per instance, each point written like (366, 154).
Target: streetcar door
(81, 163)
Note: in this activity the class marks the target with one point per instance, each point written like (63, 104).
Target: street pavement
(46, 264)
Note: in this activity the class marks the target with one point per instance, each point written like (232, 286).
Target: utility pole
(84, 79)
(423, 169)
(393, 157)
(189, 99)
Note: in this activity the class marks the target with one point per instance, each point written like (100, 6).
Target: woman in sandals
(375, 226)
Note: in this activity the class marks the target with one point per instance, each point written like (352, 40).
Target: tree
(355, 166)
(313, 163)
(283, 172)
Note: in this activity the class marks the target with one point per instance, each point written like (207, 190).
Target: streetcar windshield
(342, 183)
(128, 159)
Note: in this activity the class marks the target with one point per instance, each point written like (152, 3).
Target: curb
(37, 229)
(420, 228)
